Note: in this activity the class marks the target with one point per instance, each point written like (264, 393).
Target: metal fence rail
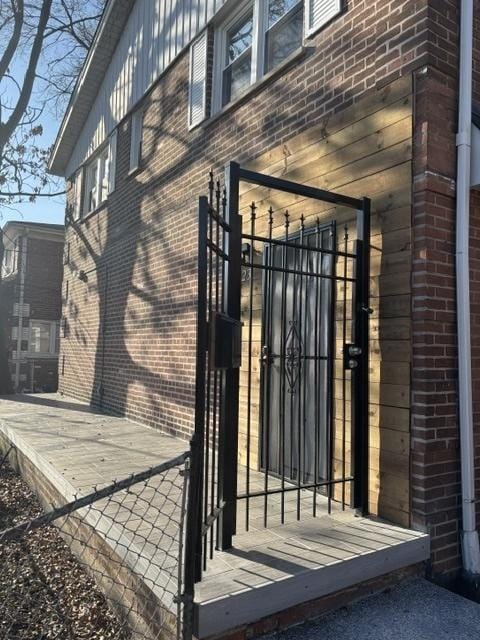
(109, 564)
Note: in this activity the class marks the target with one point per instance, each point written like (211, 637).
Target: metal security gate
(281, 408)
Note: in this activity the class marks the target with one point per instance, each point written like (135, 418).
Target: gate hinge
(365, 309)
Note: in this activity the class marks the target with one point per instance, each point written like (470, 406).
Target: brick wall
(43, 278)
(147, 233)
(436, 498)
(42, 292)
(435, 469)
(131, 336)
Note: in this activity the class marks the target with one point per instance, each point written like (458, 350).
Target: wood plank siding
(365, 150)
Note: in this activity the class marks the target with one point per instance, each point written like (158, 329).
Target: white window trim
(192, 123)
(10, 266)
(109, 170)
(220, 43)
(335, 8)
(136, 138)
(54, 330)
(77, 194)
(260, 17)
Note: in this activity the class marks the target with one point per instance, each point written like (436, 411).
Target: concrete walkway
(414, 610)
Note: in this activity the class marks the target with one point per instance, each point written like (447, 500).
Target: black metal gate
(281, 408)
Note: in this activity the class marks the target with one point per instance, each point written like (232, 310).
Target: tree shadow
(142, 245)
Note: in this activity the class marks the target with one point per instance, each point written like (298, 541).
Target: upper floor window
(136, 139)
(96, 181)
(76, 186)
(284, 31)
(237, 70)
(100, 175)
(253, 42)
(10, 255)
(257, 37)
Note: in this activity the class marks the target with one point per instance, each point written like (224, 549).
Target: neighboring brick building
(365, 104)
(31, 299)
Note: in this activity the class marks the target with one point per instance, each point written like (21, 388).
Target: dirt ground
(44, 591)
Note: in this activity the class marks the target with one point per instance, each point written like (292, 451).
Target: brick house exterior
(387, 69)
(31, 288)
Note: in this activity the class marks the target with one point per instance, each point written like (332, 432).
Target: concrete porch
(268, 570)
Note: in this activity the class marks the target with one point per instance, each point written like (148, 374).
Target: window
(77, 195)
(10, 255)
(254, 40)
(100, 175)
(136, 139)
(96, 181)
(44, 337)
(237, 72)
(284, 31)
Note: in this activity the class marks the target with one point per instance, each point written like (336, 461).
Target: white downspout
(470, 544)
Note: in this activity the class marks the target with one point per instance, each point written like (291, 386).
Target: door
(297, 345)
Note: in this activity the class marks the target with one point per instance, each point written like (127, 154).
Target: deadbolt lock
(354, 351)
(350, 354)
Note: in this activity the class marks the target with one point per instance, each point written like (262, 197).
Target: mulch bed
(45, 593)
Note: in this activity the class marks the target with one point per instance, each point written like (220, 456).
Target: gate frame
(228, 428)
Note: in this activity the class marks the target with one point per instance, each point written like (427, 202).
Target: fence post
(361, 391)
(228, 436)
(192, 559)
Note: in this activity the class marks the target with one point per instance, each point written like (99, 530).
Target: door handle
(265, 358)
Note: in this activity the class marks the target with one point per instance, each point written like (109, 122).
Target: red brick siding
(435, 467)
(43, 278)
(436, 498)
(147, 234)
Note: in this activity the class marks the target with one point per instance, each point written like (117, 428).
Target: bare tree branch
(18, 15)
(13, 121)
(30, 194)
(47, 41)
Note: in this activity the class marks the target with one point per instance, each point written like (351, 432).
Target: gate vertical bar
(361, 393)
(193, 552)
(228, 436)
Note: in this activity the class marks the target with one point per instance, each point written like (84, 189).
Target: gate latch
(351, 354)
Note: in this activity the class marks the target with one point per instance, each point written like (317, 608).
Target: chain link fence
(109, 564)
